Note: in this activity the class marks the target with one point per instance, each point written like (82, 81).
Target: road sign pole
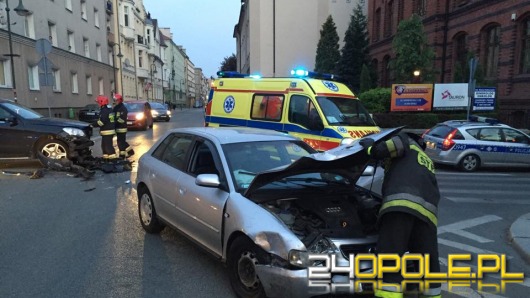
(471, 84)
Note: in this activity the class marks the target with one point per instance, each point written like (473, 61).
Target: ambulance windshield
(344, 111)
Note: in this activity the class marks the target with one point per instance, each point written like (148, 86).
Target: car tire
(167, 120)
(469, 163)
(241, 261)
(52, 148)
(147, 212)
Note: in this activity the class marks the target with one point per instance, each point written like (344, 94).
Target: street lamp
(417, 74)
(153, 71)
(119, 55)
(21, 11)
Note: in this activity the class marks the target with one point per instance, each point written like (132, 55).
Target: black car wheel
(53, 148)
(242, 261)
(470, 163)
(147, 212)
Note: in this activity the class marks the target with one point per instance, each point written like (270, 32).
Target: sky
(205, 28)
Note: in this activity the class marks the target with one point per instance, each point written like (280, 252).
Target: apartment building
(175, 66)
(497, 32)
(273, 37)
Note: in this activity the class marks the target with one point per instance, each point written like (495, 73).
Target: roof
(228, 135)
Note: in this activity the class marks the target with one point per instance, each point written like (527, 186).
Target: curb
(520, 236)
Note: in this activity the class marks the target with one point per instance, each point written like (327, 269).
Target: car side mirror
(208, 180)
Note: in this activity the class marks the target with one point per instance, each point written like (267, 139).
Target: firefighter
(408, 216)
(106, 128)
(121, 127)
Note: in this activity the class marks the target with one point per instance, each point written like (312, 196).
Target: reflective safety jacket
(120, 112)
(106, 121)
(409, 184)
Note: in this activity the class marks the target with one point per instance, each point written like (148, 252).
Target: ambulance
(310, 106)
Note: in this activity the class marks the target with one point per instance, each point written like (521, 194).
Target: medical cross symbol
(229, 104)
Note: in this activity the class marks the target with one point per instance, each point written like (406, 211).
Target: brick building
(496, 31)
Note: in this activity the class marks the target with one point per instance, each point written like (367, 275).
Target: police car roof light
(475, 118)
(230, 74)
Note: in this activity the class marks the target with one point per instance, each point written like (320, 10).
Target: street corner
(520, 236)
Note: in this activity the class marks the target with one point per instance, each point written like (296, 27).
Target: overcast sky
(204, 27)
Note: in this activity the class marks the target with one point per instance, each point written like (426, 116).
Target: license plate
(91, 113)
(129, 122)
(431, 145)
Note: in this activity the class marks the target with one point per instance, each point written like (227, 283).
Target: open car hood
(350, 159)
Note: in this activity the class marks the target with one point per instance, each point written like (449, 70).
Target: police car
(478, 142)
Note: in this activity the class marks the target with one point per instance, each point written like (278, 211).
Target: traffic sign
(45, 65)
(43, 46)
(484, 99)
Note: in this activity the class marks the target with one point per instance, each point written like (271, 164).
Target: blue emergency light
(302, 73)
(475, 118)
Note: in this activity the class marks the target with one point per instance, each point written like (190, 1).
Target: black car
(160, 112)
(90, 113)
(24, 133)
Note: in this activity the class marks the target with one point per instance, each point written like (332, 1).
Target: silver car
(260, 201)
(470, 145)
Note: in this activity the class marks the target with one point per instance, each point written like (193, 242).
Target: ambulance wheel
(242, 260)
(147, 212)
(52, 148)
(470, 163)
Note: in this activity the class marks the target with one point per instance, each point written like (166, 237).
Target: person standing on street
(106, 128)
(408, 216)
(121, 127)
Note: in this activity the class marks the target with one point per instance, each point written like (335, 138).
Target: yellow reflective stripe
(370, 150)
(100, 123)
(415, 206)
(121, 120)
(121, 130)
(129, 149)
(391, 148)
(107, 132)
(387, 294)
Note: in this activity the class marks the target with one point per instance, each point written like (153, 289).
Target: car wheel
(53, 148)
(147, 212)
(470, 163)
(242, 261)
(167, 120)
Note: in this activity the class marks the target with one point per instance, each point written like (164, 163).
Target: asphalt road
(64, 237)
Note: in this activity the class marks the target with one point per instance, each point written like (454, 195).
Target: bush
(376, 100)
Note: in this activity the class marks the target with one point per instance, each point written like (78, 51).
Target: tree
(365, 81)
(412, 52)
(355, 50)
(229, 63)
(328, 53)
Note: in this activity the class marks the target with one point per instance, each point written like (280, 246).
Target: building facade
(497, 32)
(175, 62)
(273, 37)
(79, 64)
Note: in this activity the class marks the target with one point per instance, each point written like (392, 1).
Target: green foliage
(229, 63)
(328, 53)
(354, 54)
(366, 80)
(412, 52)
(376, 100)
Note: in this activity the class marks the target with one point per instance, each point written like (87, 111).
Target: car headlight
(347, 141)
(299, 258)
(74, 131)
(140, 116)
(168, 113)
(154, 113)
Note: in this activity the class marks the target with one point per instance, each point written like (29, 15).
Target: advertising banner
(450, 96)
(484, 99)
(411, 98)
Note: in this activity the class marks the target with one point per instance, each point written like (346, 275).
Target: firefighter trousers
(107, 147)
(401, 232)
(125, 149)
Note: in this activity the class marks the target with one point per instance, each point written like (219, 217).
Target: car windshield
(158, 106)
(22, 111)
(344, 111)
(440, 131)
(135, 107)
(92, 107)
(246, 160)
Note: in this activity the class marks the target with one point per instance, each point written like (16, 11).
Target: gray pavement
(520, 236)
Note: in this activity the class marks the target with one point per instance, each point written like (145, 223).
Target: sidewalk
(520, 236)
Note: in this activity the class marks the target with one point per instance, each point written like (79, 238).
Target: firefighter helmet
(118, 98)
(102, 100)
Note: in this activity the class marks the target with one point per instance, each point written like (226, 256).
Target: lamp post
(417, 74)
(119, 55)
(153, 71)
(21, 11)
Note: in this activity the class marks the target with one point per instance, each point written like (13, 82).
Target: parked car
(24, 133)
(482, 142)
(260, 201)
(90, 113)
(160, 112)
(139, 114)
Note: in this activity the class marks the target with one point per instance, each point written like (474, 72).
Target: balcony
(128, 33)
(142, 73)
(110, 38)
(109, 7)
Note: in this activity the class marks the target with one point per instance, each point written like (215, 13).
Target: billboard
(484, 99)
(450, 96)
(411, 98)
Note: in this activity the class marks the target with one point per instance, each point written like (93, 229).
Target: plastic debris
(127, 181)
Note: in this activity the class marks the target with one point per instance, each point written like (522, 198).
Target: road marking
(457, 228)
(489, 201)
(499, 193)
(467, 247)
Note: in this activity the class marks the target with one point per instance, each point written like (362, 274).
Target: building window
(89, 85)
(57, 81)
(29, 27)
(33, 77)
(460, 57)
(491, 60)
(420, 7)
(75, 86)
(68, 4)
(101, 89)
(111, 58)
(98, 52)
(126, 16)
(96, 18)
(52, 33)
(86, 47)
(83, 10)
(140, 53)
(71, 42)
(377, 24)
(389, 13)
(525, 50)
(5, 73)
(401, 8)
(148, 36)
(385, 74)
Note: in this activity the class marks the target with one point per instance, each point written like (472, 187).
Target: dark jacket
(105, 122)
(121, 118)
(410, 183)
